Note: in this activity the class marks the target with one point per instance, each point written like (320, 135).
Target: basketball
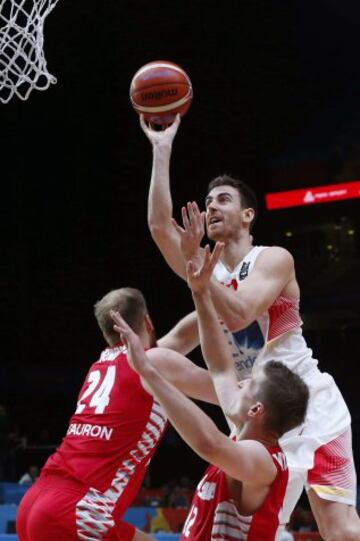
(159, 90)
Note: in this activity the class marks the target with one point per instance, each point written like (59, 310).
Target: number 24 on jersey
(97, 394)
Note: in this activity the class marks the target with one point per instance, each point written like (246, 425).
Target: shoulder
(255, 447)
(262, 463)
(277, 252)
(274, 256)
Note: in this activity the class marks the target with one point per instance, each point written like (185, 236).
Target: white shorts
(319, 453)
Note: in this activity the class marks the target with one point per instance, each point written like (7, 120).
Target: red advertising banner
(313, 195)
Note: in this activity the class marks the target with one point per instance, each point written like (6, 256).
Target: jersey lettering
(206, 490)
(190, 520)
(90, 431)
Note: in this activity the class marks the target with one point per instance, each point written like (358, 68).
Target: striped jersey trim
(94, 511)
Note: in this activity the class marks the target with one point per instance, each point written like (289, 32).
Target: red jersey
(214, 516)
(112, 435)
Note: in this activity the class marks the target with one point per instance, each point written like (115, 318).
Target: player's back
(114, 430)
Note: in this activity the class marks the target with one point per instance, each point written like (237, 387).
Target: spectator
(179, 498)
(30, 476)
(168, 489)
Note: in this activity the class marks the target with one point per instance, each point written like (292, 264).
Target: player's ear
(256, 410)
(149, 326)
(248, 215)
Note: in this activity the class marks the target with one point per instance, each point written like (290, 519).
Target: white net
(22, 60)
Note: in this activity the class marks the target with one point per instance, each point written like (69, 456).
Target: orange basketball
(159, 90)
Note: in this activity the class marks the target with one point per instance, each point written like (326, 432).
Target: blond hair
(129, 302)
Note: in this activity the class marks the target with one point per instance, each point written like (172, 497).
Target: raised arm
(212, 338)
(247, 461)
(160, 208)
(184, 337)
(179, 370)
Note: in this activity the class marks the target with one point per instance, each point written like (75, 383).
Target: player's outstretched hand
(160, 137)
(136, 353)
(192, 231)
(198, 277)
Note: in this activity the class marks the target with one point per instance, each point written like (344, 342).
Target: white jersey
(324, 438)
(275, 335)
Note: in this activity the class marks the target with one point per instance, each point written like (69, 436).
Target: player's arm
(183, 337)
(272, 271)
(184, 374)
(213, 342)
(247, 461)
(160, 207)
(217, 356)
(189, 378)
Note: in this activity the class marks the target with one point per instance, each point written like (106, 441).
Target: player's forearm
(194, 426)
(217, 355)
(184, 337)
(229, 306)
(160, 206)
(212, 338)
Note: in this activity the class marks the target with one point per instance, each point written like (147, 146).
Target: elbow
(235, 325)
(236, 322)
(239, 319)
(157, 230)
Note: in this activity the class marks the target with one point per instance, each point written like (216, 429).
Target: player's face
(223, 213)
(249, 388)
(246, 393)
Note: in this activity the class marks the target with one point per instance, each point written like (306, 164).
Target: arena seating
(12, 492)
(160, 521)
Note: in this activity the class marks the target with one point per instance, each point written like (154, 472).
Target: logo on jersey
(91, 431)
(248, 344)
(244, 271)
(206, 490)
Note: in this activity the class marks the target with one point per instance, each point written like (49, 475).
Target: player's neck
(145, 339)
(235, 251)
(251, 432)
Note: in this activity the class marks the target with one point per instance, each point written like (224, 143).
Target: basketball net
(22, 60)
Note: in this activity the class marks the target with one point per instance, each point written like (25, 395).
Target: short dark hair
(285, 397)
(129, 302)
(247, 195)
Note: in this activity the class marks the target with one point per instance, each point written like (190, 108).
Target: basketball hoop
(22, 60)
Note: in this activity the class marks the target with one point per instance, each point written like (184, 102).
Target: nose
(211, 206)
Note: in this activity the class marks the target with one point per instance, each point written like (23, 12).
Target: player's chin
(214, 233)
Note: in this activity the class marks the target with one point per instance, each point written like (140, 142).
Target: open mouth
(214, 220)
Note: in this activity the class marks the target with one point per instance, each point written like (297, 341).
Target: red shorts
(50, 510)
